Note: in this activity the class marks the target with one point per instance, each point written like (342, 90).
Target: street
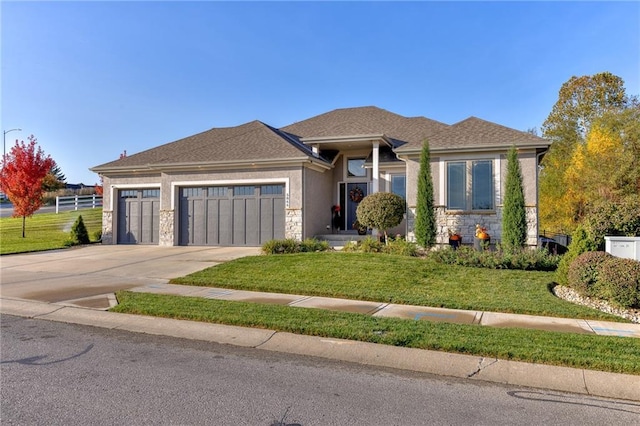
(6, 209)
(55, 373)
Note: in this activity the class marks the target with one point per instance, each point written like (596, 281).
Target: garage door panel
(252, 222)
(138, 218)
(198, 222)
(231, 216)
(213, 222)
(226, 222)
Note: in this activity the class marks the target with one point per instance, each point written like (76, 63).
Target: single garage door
(242, 215)
(138, 216)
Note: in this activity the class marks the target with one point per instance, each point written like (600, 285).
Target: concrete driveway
(88, 276)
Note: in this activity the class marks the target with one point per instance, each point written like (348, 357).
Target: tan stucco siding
(113, 184)
(318, 190)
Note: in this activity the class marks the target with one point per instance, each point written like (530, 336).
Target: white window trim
(497, 194)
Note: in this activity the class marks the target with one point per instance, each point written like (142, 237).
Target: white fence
(75, 202)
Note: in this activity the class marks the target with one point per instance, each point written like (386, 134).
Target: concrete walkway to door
(89, 275)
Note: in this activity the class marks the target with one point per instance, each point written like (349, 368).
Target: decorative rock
(571, 295)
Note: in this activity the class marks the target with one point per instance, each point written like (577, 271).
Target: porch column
(375, 184)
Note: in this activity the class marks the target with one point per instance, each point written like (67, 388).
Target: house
(251, 183)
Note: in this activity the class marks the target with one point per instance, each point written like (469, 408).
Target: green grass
(44, 231)
(604, 353)
(395, 279)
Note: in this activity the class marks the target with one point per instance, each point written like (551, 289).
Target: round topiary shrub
(382, 210)
(619, 282)
(583, 272)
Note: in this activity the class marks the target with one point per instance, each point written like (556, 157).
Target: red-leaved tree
(23, 171)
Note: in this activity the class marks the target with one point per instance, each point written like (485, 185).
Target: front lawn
(45, 231)
(395, 279)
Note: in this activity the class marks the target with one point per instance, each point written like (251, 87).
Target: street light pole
(4, 140)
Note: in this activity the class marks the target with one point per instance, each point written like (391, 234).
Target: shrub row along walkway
(493, 319)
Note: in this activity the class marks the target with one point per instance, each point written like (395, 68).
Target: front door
(351, 195)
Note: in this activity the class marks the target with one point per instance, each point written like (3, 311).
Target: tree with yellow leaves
(591, 128)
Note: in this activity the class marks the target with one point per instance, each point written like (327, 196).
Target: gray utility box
(626, 247)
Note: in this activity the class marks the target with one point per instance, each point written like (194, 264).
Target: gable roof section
(250, 142)
(477, 134)
(367, 121)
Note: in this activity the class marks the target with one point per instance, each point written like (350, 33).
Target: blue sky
(92, 79)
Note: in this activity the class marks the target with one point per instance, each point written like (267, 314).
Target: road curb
(565, 379)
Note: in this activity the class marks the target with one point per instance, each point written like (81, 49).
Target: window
(470, 185)
(482, 185)
(243, 190)
(129, 193)
(150, 193)
(192, 192)
(271, 190)
(456, 186)
(399, 185)
(217, 191)
(355, 167)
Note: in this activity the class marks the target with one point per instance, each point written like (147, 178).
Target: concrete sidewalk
(493, 319)
(564, 379)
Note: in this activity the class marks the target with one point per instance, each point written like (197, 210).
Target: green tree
(54, 180)
(79, 234)
(514, 215)
(382, 210)
(581, 102)
(425, 224)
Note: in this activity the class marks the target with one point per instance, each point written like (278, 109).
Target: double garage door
(241, 215)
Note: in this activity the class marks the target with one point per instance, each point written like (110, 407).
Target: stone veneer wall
(166, 228)
(465, 225)
(107, 227)
(293, 224)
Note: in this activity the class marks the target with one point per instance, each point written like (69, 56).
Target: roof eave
(216, 165)
(347, 139)
(470, 148)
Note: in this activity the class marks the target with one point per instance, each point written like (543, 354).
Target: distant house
(251, 183)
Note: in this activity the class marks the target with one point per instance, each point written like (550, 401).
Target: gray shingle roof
(475, 133)
(251, 141)
(366, 121)
(256, 141)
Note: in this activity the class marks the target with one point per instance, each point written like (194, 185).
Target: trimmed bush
(79, 233)
(289, 246)
(402, 247)
(371, 245)
(382, 210)
(311, 245)
(583, 272)
(580, 243)
(619, 282)
(524, 259)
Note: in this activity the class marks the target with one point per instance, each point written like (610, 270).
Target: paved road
(54, 374)
(87, 274)
(6, 209)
